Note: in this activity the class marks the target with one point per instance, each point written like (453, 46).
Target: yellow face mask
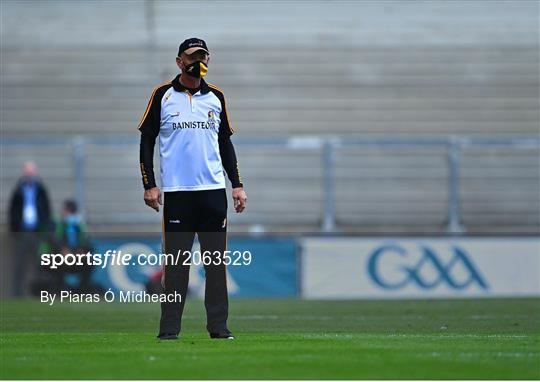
(197, 69)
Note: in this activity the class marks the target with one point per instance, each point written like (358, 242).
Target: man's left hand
(239, 198)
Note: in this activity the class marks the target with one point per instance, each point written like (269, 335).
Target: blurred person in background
(69, 236)
(29, 217)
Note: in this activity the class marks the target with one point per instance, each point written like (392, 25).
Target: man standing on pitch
(190, 117)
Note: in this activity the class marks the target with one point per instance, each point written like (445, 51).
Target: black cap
(191, 45)
(71, 206)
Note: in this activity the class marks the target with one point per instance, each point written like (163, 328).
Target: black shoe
(168, 336)
(224, 335)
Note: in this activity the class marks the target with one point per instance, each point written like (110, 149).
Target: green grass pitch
(277, 339)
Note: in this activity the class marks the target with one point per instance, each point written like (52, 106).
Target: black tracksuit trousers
(186, 213)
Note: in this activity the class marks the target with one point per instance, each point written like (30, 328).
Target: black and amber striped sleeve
(149, 127)
(149, 123)
(226, 147)
(229, 161)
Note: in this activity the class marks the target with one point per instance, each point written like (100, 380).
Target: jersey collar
(181, 88)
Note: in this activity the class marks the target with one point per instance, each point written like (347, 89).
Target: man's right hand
(152, 198)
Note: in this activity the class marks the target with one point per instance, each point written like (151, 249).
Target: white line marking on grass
(257, 317)
(456, 335)
(276, 317)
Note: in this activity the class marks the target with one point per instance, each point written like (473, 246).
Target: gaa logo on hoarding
(395, 267)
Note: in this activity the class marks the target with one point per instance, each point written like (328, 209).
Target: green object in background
(277, 339)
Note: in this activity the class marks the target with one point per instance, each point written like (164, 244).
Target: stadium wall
(333, 267)
(437, 267)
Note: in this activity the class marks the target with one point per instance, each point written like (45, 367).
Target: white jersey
(188, 127)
